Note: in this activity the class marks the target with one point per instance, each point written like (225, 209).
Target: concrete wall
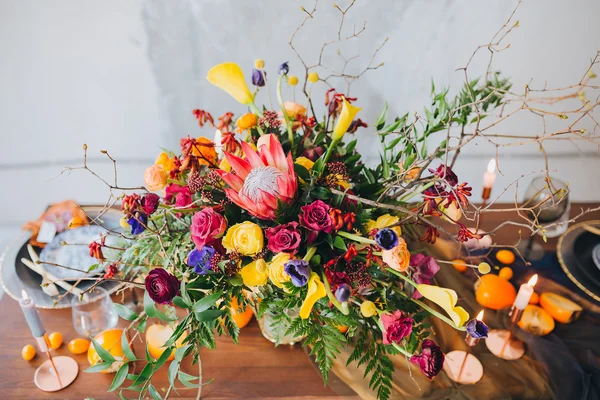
(125, 75)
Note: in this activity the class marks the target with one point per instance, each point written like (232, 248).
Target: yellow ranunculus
(255, 273)
(246, 238)
(305, 162)
(316, 291)
(155, 178)
(229, 77)
(445, 298)
(247, 121)
(345, 119)
(165, 161)
(368, 309)
(277, 273)
(383, 222)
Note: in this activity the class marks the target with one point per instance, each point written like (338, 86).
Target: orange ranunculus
(204, 149)
(165, 161)
(294, 110)
(247, 121)
(155, 178)
(397, 258)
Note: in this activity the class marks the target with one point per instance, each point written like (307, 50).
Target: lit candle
(525, 292)
(32, 316)
(488, 179)
(217, 141)
(479, 316)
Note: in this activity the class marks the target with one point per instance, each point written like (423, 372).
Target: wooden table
(252, 370)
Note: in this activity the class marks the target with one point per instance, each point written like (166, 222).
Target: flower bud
(259, 63)
(313, 77)
(292, 80)
(342, 294)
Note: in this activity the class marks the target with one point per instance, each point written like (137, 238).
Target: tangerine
(505, 257)
(55, 340)
(28, 352)
(493, 292)
(241, 318)
(79, 346)
(506, 273)
(110, 340)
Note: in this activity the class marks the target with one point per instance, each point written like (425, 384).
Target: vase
(276, 332)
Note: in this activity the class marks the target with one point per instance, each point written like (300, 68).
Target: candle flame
(533, 281)
(24, 295)
(492, 165)
(479, 316)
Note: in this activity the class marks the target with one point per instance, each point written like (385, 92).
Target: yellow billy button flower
(246, 238)
(255, 273)
(277, 273)
(292, 80)
(316, 291)
(313, 77)
(229, 77)
(383, 222)
(345, 119)
(445, 298)
(259, 63)
(368, 309)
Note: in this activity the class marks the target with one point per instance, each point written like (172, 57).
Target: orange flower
(155, 178)
(294, 110)
(247, 121)
(397, 258)
(166, 162)
(204, 149)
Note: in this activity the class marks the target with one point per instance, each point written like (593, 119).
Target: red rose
(207, 225)
(431, 359)
(315, 217)
(395, 327)
(161, 286)
(283, 238)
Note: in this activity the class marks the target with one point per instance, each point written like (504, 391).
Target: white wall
(125, 75)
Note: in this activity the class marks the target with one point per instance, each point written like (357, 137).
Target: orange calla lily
(343, 123)
(316, 291)
(229, 77)
(445, 298)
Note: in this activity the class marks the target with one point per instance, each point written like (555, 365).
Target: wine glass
(94, 313)
(548, 202)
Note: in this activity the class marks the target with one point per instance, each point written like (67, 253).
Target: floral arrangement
(281, 215)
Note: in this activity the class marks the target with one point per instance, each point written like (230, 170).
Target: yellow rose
(383, 222)
(397, 258)
(277, 274)
(305, 162)
(165, 161)
(155, 178)
(245, 238)
(368, 309)
(255, 273)
(247, 121)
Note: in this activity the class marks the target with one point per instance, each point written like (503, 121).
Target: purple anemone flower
(299, 271)
(200, 259)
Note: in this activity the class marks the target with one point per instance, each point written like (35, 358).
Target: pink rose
(207, 225)
(315, 217)
(395, 327)
(284, 238)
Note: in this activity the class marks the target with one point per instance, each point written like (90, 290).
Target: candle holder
(462, 366)
(56, 373)
(502, 344)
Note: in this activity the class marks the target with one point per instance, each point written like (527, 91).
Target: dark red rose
(283, 238)
(150, 203)
(395, 327)
(161, 286)
(431, 359)
(316, 218)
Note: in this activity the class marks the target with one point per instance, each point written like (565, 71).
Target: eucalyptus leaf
(125, 312)
(102, 352)
(98, 367)
(180, 302)
(119, 377)
(172, 373)
(207, 302)
(154, 393)
(208, 315)
(126, 348)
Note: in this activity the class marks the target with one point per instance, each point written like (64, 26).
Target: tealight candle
(488, 179)
(525, 293)
(32, 316)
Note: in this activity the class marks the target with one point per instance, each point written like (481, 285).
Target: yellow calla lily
(316, 291)
(445, 298)
(229, 77)
(255, 273)
(343, 123)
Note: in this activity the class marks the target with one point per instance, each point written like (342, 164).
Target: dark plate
(574, 250)
(15, 276)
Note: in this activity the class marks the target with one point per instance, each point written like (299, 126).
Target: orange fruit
(535, 298)
(79, 346)
(506, 273)
(156, 337)
(493, 292)
(111, 341)
(55, 340)
(560, 308)
(459, 265)
(241, 318)
(28, 352)
(505, 257)
(536, 320)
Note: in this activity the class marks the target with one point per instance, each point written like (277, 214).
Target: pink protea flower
(262, 178)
